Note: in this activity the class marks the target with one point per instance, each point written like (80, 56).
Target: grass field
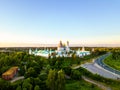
(80, 85)
(112, 63)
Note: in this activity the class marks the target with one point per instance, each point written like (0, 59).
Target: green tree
(37, 81)
(19, 88)
(31, 72)
(61, 80)
(26, 84)
(4, 85)
(36, 87)
(24, 88)
(76, 74)
(56, 80)
(51, 79)
(116, 55)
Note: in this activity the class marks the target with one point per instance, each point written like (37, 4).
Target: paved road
(95, 69)
(98, 67)
(100, 62)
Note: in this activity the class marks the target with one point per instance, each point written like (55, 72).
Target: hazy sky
(48, 21)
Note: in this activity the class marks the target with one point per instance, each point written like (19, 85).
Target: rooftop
(10, 71)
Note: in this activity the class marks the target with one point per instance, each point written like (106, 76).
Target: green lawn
(80, 85)
(113, 63)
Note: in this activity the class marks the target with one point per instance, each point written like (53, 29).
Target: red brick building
(9, 74)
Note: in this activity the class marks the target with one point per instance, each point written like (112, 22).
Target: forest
(43, 73)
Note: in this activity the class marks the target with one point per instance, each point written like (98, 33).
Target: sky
(82, 22)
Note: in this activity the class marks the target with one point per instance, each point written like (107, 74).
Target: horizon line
(2, 45)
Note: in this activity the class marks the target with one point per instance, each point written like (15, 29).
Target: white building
(43, 53)
(82, 52)
(63, 50)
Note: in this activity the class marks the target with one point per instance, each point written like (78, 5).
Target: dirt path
(17, 78)
(96, 83)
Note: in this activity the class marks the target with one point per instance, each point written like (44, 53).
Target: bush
(75, 74)
(67, 70)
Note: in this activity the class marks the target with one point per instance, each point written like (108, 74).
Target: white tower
(30, 51)
(93, 49)
(83, 49)
(60, 46)
(68, 43)
(67, 46)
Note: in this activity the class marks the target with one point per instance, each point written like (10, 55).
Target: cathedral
(63, 48)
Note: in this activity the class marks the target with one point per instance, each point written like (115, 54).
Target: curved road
(98, 67)
(100, 62)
